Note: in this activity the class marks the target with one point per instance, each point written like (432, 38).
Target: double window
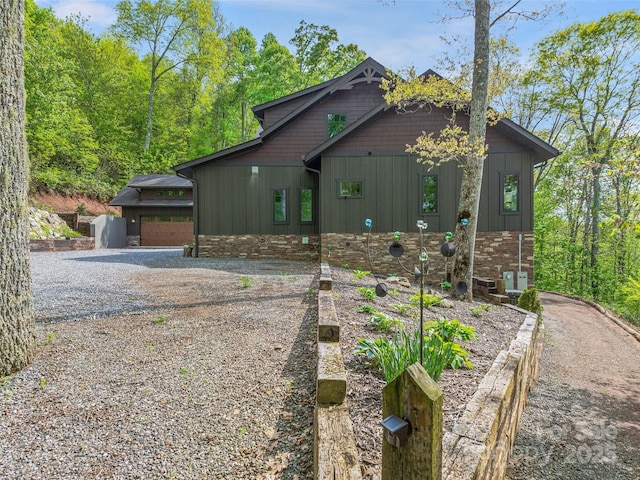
(281, 205)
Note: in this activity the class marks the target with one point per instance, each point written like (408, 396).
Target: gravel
(151, 365)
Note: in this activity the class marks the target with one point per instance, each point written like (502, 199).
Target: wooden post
(416, 398)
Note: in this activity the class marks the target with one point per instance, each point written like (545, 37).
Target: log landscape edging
(481, 441)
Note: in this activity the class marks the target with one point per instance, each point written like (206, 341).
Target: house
(332, 155)
(158, 210)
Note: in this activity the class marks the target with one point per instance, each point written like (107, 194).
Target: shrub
(530, 300)
(384, 323)
(369, 293)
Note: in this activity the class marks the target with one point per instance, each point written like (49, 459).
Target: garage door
(166, 231)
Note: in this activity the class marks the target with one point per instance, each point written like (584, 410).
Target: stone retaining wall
(478, 448)
(62, 245)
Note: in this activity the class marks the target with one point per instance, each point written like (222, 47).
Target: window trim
(313, 204)
(349, 180)
(518, 176)
(286, 205)
(421, 204)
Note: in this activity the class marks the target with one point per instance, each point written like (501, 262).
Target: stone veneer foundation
(496, 252)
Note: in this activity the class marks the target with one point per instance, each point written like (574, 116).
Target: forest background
(171, 81)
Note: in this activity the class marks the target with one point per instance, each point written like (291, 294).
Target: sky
(397, 34)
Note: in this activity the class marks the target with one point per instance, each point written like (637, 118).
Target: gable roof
(129, 197)
(365, 71)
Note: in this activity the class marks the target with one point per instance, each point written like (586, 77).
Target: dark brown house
(330, 156)
(158, 209)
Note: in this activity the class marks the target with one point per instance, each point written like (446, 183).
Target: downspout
(196, 223)
(313, 170)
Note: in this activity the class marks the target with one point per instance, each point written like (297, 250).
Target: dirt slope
(64, 204)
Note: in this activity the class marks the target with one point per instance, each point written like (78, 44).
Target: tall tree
(591, 73)
(17, 327)
(174, 32)
(453, 143)
(319, 55)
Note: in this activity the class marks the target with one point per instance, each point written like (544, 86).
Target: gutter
(196, 223)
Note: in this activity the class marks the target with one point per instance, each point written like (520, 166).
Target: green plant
(445, 285)
(366, 308)
(50, 336)
(159, 319)
(369, 293)
(68, 232)
(384, 323)
(361, 273)
(183, 371)
(480, 309)
(82, 209)
(530, 300)
(450, 330)
(394, 292)
(428, 300)
(43, 383)
(344, 265)
(394, 356)
(245, 282)
(403, 308)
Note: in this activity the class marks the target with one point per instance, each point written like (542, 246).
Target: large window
(510, 196)
(306, 205)
(430, 194)
(280, 205)
(336, 123)
(350, 188)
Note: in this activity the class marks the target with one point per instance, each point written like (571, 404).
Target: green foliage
(403, 308)
(361, 273)
(245, 282)
(369, 293)
(367, 309)
(383, 322)
(530, 300)
(394, 356)
(450, 330)
(428, 300)
(480, 309)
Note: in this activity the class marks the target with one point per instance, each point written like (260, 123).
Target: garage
(165, 231)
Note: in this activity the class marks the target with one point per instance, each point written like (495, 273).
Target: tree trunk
(595, 234)
(17, 327)
(152, 90)
(467, 219)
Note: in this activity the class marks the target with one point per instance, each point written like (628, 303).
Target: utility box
(523, 281)
(508, 279)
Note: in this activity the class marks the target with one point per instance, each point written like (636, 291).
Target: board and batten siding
(238, 202)
(392, 194)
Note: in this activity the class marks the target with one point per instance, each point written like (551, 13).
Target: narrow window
(279, 205)
(350, 188)
(170, 193)
(430, 194)
(336, 123)
(510, 197)
(306, 205)
(159, 193)
(181, 193)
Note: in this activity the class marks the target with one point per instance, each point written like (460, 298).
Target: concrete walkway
(582, 420)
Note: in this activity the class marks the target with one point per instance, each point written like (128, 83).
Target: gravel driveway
(151, 365)
(582, 420)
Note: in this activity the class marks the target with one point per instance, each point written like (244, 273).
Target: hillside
(57, 203)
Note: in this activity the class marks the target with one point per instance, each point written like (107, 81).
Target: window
(170, 193)
(181, 193)
(159, 193)
(350, 188)
(510, 199)
(430, 194)
(306, 205)
(280, 205)
(336, 123)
